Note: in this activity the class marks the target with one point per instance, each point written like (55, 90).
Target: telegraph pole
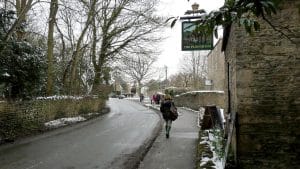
(166, 80)
(166, 70)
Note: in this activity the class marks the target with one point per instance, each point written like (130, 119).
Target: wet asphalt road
(105, 142)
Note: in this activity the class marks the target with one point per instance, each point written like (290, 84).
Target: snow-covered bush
(23, 65)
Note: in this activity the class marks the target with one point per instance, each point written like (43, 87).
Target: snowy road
(106, 142)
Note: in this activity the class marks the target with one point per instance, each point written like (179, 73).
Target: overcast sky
(171, 47)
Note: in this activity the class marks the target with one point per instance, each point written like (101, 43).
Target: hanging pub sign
(195, 40)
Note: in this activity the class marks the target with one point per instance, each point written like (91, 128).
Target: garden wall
(19, 119)
(197, 99)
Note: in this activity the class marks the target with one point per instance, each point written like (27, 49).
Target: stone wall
(197, 99)
(20, 119)
(264, 71)
(216, 67)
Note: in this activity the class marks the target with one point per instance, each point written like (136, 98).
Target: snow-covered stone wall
(197, 99)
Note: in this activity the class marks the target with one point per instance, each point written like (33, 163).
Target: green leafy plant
(84, 109)
(60, 114)
(22, 63)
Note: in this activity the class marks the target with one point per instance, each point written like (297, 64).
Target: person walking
(154, 98)
(141, 97)
(169, 112)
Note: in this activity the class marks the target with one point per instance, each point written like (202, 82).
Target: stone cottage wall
(264, 78)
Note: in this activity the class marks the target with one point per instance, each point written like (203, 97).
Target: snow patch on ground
(204, 161)
(6, 74)
(63, 122)
(217, 161)
(55, 97)
(132, 98)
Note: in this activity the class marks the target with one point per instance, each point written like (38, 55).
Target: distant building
(216, 68)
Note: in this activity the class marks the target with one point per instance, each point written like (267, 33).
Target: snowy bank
(63, 122)
(210, 149)
(55, 97)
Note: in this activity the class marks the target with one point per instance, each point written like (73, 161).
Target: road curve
(106, 142)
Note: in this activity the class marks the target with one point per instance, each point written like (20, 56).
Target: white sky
(171, 47)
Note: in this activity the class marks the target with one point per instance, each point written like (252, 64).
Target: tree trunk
(75, 59)
(98, 71)
(50, 44)
(139, 88)
(99, 66)
(97, 81)
(22, 8)
(93, 55)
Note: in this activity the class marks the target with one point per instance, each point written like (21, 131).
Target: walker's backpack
(174, 113)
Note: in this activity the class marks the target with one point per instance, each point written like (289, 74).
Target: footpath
(178, 151)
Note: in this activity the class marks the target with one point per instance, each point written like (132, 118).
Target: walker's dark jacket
(165, 109)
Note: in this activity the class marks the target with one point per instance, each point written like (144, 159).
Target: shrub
(218, 142)
(84, 109)
(60, 114)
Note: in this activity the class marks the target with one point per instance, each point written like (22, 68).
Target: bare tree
(181, 80)
(22, 8)
(121, 29)
(195, 66)
(75, 19)
(91, 36)
(138, 68)
(75, 58)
